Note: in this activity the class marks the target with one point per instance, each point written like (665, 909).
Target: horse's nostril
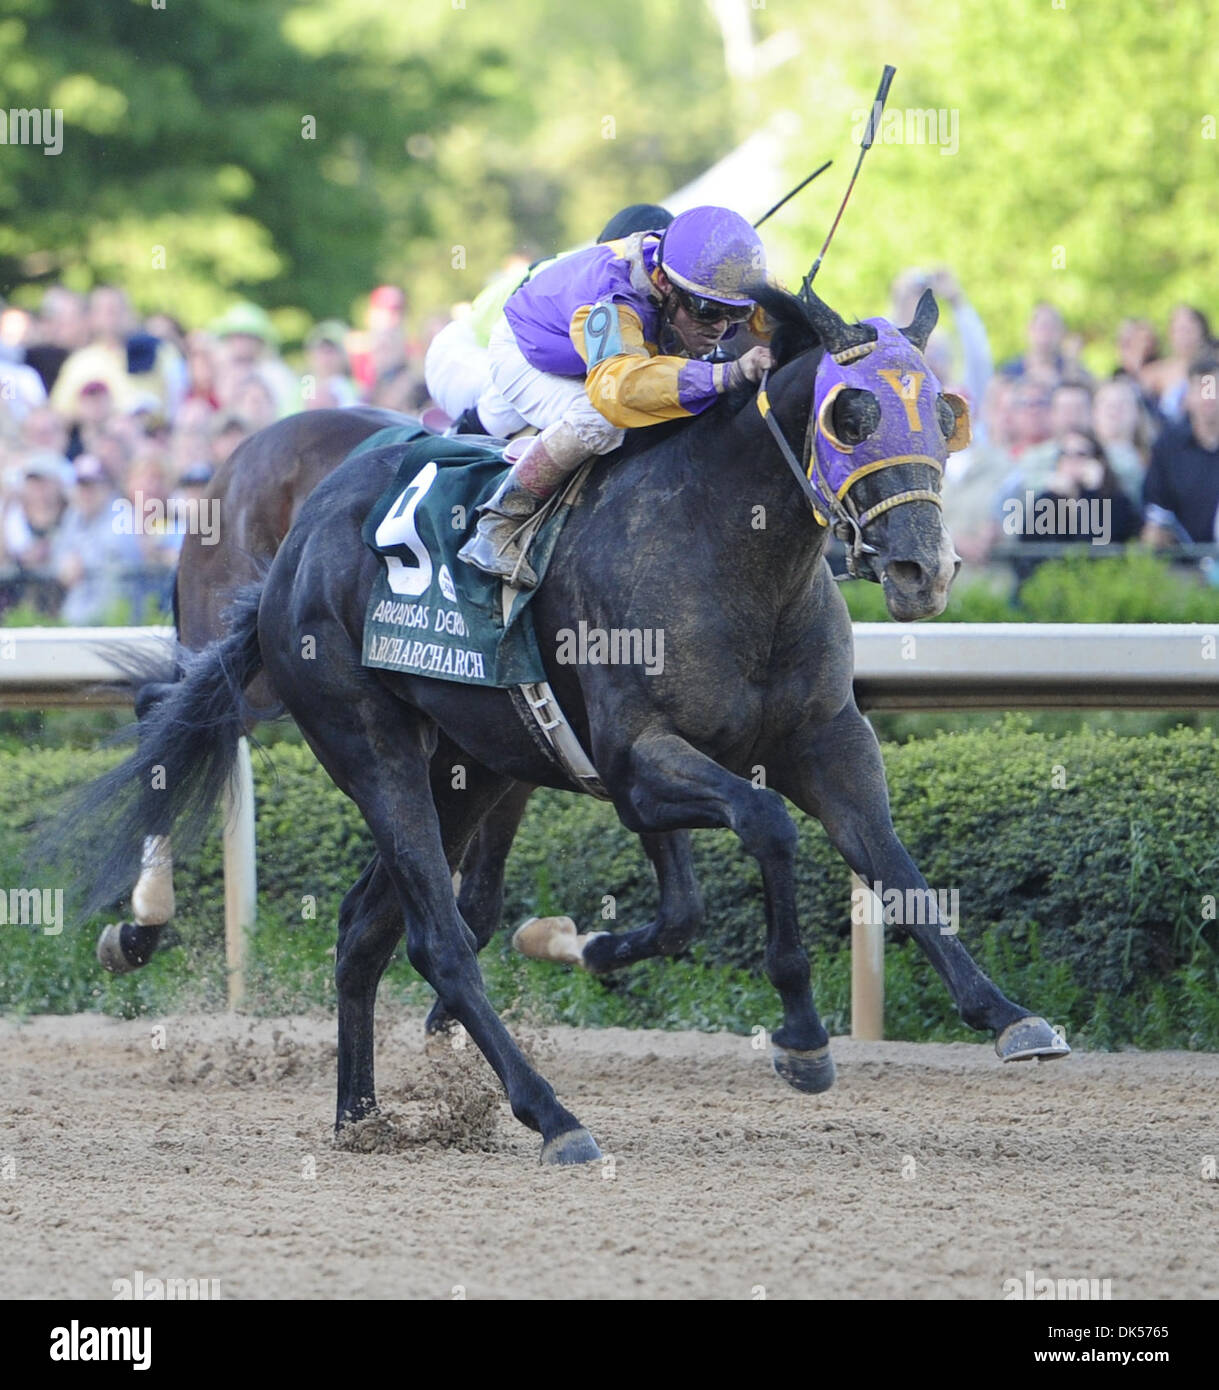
(905, 573)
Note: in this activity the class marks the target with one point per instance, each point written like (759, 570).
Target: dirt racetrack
(929, 1172)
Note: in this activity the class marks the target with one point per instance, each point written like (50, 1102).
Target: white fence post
(240, 872)
(867, 964)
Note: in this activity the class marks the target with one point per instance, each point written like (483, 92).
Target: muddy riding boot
(494, 547)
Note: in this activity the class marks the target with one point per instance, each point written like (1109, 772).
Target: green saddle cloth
(431, 614)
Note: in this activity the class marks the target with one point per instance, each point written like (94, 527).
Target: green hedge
(1132, 586)
(1083, 863)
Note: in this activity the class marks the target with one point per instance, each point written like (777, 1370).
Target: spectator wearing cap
(328, 383)
(248, 343)
(95, 559)
(1181, 491)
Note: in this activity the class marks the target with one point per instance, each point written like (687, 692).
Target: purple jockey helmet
(715, 253)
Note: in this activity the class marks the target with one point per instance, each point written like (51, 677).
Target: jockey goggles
(712, 310)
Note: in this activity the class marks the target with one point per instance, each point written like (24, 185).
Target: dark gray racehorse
(758, 666)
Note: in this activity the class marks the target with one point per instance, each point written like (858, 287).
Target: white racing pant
(519, 395)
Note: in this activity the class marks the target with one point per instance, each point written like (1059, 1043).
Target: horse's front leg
(666, 785)
(834, 771)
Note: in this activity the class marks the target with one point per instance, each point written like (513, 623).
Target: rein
(847, 521)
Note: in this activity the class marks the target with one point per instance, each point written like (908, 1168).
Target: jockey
(455, 368)
(589, 347)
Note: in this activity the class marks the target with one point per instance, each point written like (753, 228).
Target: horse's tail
(187, 750)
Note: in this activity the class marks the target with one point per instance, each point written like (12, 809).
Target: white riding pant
(519, 395)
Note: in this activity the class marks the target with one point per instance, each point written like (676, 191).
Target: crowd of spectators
(111, 423)
(1135, 453)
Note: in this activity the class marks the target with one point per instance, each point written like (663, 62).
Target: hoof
(552, 938)
(125, 946)
(811, 1072)
(1030, 1037)
(576, 1146)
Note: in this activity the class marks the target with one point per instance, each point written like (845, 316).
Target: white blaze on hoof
(552, 938)
(152, 898)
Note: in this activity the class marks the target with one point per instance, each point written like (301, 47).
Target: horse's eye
(856, 415)
(946, 416)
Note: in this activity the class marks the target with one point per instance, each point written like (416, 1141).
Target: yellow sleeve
(630, 383)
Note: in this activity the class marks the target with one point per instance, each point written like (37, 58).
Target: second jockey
(609, 339)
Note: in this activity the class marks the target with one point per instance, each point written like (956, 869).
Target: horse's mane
(794, 333)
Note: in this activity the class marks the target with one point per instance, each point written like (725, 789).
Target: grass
(290, 965)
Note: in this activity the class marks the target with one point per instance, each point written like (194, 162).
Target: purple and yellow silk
(909, 431)
(627, 378)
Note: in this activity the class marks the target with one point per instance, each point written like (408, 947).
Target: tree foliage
(452, 132)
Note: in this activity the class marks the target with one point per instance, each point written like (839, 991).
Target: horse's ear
(926, 316)
(835, 333)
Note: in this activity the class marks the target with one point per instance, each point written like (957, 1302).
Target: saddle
(430, 614)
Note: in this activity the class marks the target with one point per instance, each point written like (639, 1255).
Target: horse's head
(879, 429)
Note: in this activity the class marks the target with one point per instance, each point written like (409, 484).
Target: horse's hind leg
(836, 774)
(377, 750)
(480, 899)
(370, 926)
(125, 946)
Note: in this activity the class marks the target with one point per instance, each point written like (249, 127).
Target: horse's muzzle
(917, 587)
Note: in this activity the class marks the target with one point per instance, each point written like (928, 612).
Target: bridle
(834, 507)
